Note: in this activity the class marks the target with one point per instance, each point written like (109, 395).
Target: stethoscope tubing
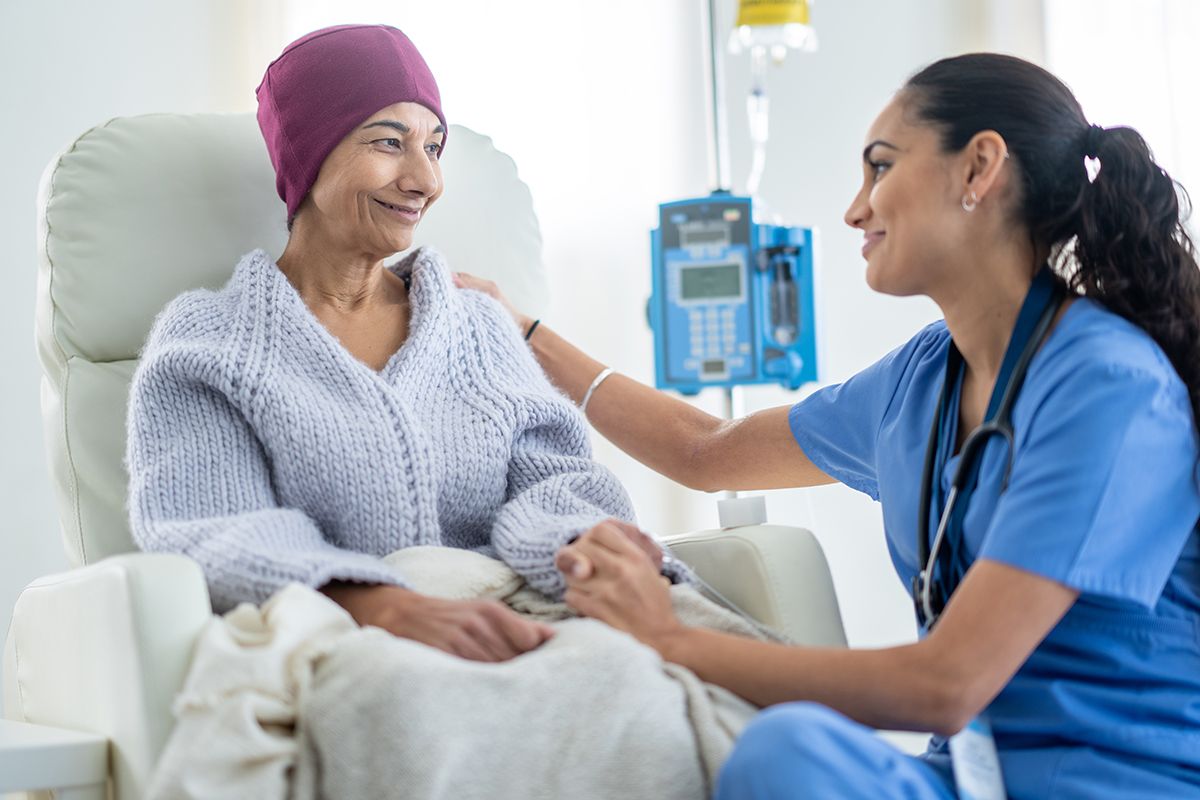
(971, 452)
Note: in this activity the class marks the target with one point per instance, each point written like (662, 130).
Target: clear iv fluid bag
(767, 29)
(773, 26)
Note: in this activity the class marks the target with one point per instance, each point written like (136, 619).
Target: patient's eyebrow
(398, 126)
(877, 143)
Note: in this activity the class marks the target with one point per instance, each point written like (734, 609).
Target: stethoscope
(932, 587)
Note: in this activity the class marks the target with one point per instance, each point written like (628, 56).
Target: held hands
(480, 630)
(574, 563)
(612, 574)
(465, 280)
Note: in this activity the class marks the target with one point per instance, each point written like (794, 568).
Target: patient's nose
(419, 175)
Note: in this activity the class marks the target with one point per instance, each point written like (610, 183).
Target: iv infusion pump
(732, 300)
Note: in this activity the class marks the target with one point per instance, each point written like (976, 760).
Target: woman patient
(322, 411)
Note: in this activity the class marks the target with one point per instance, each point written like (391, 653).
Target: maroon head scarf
(326, 83)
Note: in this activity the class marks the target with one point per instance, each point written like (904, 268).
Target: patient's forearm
(892, 688)
(663, 432)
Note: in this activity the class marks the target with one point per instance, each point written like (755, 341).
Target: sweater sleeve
(555, 493)
(555, 490)
(200, 485)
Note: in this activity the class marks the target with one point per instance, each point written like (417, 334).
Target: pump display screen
(710, 282)
(695, 235)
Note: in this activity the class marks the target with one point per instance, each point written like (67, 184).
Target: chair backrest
(140, 209)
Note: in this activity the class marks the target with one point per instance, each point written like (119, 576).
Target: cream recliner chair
(131, 214)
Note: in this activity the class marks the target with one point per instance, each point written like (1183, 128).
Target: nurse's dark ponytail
(1120, 237)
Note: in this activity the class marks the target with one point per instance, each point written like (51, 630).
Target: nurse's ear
(985, 168)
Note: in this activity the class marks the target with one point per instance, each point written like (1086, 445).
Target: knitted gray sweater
(261, 448)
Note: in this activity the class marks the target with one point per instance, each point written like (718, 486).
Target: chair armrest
(40, 757)
(104, 649)
(775, 573)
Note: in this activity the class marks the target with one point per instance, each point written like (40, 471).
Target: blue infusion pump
(732, 300)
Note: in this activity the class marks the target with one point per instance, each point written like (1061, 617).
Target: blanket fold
(294, 700)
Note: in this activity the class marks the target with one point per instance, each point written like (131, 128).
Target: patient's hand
(465, 280)
(573, 564)
(481, 630)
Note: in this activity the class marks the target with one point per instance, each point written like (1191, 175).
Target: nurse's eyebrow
(398, 126)
(879, 143)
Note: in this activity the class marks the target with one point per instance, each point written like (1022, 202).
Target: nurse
(1061, 596)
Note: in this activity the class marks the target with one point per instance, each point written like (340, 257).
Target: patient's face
(376, 185)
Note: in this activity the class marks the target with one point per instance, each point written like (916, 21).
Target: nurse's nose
(859, 211)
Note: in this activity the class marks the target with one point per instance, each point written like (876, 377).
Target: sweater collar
(272, 298)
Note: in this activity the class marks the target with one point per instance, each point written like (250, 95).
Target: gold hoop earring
(969, 207)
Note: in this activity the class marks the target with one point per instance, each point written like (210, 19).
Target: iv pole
(714, 69)
(718, 149)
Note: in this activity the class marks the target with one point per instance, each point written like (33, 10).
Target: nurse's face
(909, 207)
(376, 185)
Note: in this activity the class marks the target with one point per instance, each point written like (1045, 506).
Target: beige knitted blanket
(295, 700)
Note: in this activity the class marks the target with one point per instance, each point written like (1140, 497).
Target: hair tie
(1091, 141)
(1091, 151)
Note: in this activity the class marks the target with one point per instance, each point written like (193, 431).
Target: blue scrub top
(1103, 498)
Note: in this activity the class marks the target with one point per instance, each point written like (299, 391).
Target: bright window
(1136, 64)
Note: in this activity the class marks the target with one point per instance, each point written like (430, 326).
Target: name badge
(976, 762)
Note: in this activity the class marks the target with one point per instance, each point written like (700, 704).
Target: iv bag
(775, 26)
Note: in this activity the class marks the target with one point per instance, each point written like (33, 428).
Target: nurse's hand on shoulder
(611, 578)
(480, 630)
(464, 280)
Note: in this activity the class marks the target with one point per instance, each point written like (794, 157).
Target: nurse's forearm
(675, 438)
(891, 689)
(994, 620)
(661, 431)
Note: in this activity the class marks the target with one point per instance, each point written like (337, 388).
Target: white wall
(601, 104)
(1139, 69)
(64, 67)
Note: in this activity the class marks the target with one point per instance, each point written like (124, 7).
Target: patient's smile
(404, 212)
